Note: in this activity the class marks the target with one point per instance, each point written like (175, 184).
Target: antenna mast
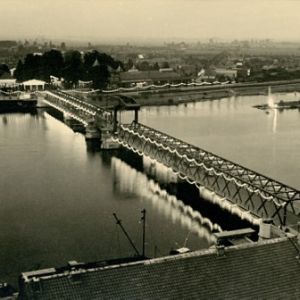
(119, 222)
(144, 230)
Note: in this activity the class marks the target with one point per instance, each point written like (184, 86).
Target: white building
(8, 83)
(34, 85)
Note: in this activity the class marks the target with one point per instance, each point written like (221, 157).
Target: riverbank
(175, 96)
(157, 98)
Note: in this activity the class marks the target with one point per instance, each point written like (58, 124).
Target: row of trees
(93, 66)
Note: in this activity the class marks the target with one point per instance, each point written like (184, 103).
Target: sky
(146, 20)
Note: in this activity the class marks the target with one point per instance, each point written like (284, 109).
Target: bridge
(221, 181)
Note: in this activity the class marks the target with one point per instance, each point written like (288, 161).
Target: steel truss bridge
(77, 109)
(229, 184)
(224, 179)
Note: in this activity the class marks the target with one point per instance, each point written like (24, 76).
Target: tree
(4, 69)
(96, 68)
(33, 67)
(73, 70)
(165, 65)
(100, 76)
(144, 66)
(129, 64)
(53, 63)
(18, 74)
(156, 66)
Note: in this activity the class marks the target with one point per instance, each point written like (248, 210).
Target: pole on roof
(144, 230)
(119, 222)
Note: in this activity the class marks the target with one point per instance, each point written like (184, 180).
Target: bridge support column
(136, 116)
(115, 117)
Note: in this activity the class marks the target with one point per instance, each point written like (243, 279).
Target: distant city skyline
(148, 21)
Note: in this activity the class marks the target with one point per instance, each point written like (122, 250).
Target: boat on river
(280, 105)
(288, 104)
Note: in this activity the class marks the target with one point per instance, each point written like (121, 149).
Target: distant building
(243, 73)
(85, 84)
(56, 81)
(7, 81)
(207, 75)
(34, 85)
(166, 70)
(227, 73)
(133, 69)
(239, 64)
(96, 63)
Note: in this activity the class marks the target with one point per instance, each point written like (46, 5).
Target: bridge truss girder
(251, 191)
(78, 109)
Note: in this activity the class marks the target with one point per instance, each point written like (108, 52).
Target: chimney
(265, 229)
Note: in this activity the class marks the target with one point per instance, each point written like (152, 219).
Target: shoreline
(169, 97)
(176, 98)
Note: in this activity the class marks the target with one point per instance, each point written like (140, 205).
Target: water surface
(57, 198)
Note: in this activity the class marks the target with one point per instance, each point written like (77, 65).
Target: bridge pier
(136, 115)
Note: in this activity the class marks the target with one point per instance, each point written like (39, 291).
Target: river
(57, 197)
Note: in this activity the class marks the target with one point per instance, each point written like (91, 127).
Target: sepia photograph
(149, 149)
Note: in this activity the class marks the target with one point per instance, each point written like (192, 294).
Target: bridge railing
(263, 196)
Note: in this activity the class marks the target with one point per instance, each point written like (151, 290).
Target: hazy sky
(150, 19)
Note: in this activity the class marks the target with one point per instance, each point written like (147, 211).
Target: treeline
(71, 66)
(4, 69)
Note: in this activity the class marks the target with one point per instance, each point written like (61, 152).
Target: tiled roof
(264, 270)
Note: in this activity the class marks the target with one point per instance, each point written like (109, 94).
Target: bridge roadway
(224, 182)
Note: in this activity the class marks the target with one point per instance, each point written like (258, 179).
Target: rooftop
(33, 82)
(268, 269)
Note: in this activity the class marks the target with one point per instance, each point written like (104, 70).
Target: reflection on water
(57, 199)
(233, 129)
(158, 171)
(271, 103)
(4, 120)
(275, 113)
(128, 180)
